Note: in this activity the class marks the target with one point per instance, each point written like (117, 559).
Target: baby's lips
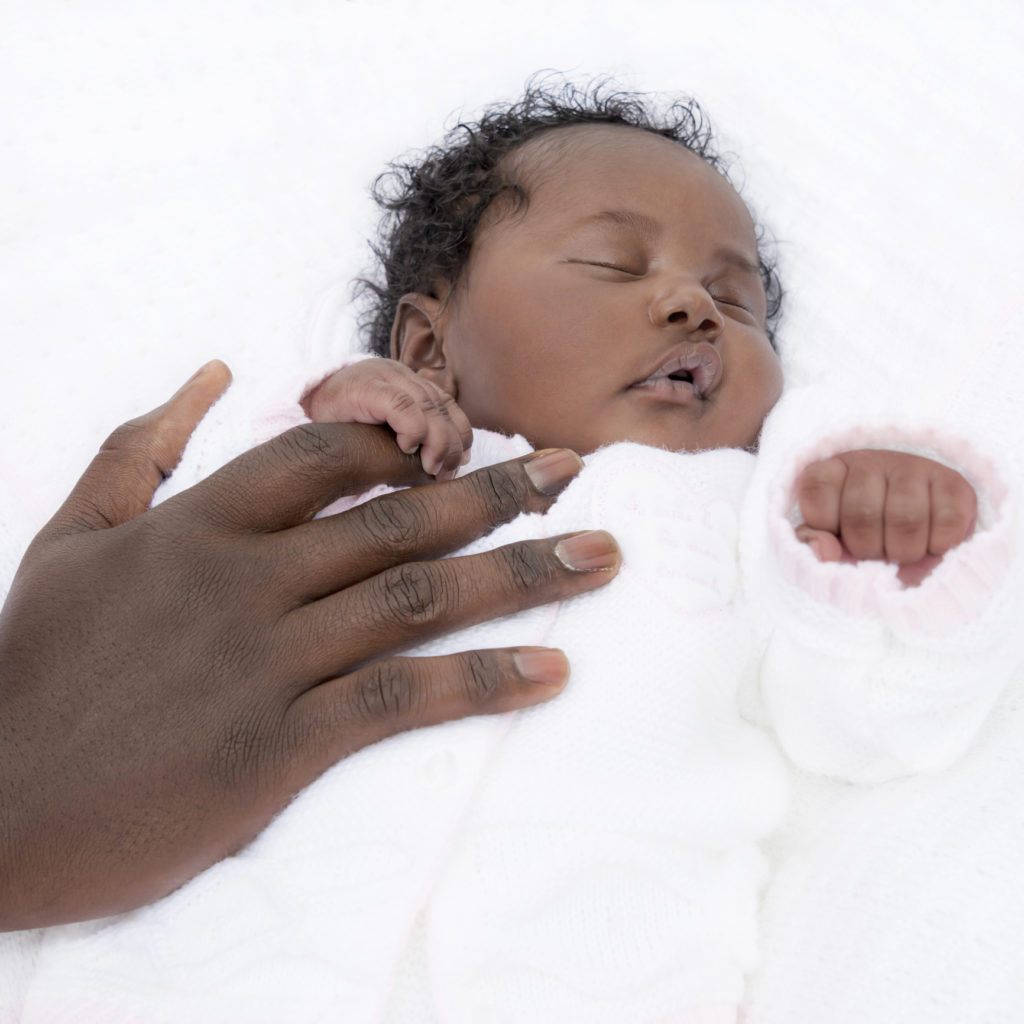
(700, 359)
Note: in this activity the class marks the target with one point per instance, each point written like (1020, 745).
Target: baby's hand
(385, 391)
(884, 505)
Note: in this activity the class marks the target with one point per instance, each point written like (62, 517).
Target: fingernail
(551, 469)
(542, 665)
(815, 545)
(588, 552)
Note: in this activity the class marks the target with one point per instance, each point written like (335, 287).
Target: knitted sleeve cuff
(864, 677)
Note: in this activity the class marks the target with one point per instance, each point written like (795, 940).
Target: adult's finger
(416, 601)
(290, 478)
(119, 482)
(420, 523)
(344, 714)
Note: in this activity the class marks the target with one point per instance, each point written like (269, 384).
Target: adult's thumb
(119, 482)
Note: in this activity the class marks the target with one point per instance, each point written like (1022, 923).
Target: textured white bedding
(186, 181)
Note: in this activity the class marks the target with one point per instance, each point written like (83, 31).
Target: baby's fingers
(447, 435)
(954, 511)
(886, 504)
(825, 545)
(907, 526)
(421, 416)
(818, 491)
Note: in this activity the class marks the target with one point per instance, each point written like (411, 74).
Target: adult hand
(170, 678)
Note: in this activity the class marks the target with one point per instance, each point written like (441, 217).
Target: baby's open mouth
(681, 375)
(691, 370)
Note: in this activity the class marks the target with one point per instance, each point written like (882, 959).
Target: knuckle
(305, 452)
(384, 691)
(444, 403)
(527, 566)
(416, 593)
(905, 521)
(823, 475)
(305, 443)
(501, 496)
(482, 681)
(311, 452)
(860, 519)
(402, 401)
(136, 436)
(949, 518)
(393, 521)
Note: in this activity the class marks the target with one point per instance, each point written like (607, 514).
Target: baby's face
(625, 304)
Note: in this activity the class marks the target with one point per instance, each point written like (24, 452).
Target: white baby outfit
(600, 857)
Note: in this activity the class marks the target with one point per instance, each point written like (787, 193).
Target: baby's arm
(888, 505)
(865, 677)
(385, 391)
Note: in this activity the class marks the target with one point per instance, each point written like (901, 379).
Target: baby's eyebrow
(737, 259)
(633, 219)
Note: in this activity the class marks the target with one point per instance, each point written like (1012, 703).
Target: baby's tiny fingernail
(815, 545)
(588, 552)
(466, 456)
(551, 469)
(542, 665)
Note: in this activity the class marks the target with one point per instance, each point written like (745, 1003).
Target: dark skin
(171, 678)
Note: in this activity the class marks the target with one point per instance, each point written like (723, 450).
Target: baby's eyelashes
(621, 267)
(723, 301)
(736, 310)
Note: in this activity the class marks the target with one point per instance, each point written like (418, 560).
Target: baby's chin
(689, 441)
(671, 444)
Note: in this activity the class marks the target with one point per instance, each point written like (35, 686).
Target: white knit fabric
(865, 679)
(598, 857)
(901, 901)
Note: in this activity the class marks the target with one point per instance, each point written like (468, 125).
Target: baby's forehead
(560, 152)
(578, 167)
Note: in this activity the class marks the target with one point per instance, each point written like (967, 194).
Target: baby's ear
(417, 340)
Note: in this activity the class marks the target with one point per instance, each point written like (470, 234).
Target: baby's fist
(874, 504)
(385, 391)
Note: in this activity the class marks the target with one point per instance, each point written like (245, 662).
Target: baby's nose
(686, 305)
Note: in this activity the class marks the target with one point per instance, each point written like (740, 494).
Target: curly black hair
(433, 204)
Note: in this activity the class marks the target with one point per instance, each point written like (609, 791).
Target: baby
(577, 271)
(607, 285)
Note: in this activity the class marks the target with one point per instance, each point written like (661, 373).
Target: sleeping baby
(576, 271)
